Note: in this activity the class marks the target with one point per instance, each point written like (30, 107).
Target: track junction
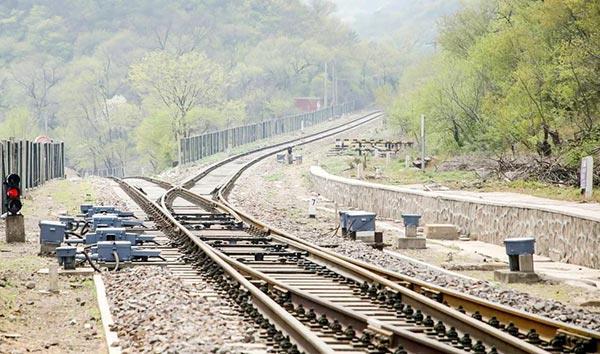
(308, 299)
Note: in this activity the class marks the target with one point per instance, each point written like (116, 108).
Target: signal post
(15, 224)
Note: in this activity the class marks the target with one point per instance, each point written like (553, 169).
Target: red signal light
(13, 193)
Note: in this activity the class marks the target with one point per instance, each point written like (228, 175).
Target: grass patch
(277, 176)
(538, 189)
(68, 194)
(25, 263)
(395, 173)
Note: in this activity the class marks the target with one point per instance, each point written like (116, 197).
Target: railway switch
(116, 234)
(112, 220)
(67, 256)
(69, 221)
(108, 251)
(90, 210)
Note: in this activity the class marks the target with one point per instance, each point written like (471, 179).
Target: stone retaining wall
(569, 238)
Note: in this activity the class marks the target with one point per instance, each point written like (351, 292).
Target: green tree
(18, 124)
(181, 83)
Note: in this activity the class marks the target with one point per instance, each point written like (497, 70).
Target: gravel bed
(154, 312)
(278, 207)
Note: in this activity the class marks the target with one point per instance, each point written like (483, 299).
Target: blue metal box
(357, 221)
(519, 246)
(411, 219)
(144, 253)
(105, 220)
(85, 207)
(52, 232)
(106, 248)
(90, 210)
(68, 221)
(66, 256)
(343, 218)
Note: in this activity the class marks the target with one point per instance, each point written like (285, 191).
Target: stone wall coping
(320, 172)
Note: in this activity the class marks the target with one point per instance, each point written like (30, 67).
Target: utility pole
(422, 142)
(333, 78)
(325, 87)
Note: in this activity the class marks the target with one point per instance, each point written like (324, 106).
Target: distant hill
(406, 22)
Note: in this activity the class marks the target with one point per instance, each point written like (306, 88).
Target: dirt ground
(280, 195)
(32, 319)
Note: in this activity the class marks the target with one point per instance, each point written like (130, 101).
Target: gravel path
(154, 312)
(264, 191)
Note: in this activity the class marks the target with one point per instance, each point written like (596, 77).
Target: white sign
(587, 176)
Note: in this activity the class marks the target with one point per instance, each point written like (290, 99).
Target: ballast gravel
(155, 312)
(277, 207)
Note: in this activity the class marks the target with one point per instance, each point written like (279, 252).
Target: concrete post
(422, 142)
(587, 177)
(15, 228)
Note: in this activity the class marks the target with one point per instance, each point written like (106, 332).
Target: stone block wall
(568, 237)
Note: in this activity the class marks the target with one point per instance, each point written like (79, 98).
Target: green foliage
(18, 124)
(181, 83)
(518, 76)
(187, 66)
(155, 140)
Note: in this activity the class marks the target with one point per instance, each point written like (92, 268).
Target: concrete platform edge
(110, 336)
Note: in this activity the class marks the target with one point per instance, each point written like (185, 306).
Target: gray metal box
(358, 221)
(66, 256)
(52, 232)
(105, 220)
(106, 249)
(519, 246)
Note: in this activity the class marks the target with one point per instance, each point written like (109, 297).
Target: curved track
(285, 278)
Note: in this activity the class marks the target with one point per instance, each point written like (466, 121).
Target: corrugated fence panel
(36, 163)
(197, 147)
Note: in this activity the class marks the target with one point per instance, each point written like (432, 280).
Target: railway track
(324, 302)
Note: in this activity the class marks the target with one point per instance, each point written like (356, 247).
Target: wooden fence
(197, 147)
(36, 163)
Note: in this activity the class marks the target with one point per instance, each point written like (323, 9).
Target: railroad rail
(329, 303)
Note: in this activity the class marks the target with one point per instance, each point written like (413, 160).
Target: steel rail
(493, 336)
(414, 342)
(490, 335)
(322, 134)
(546, 328)
(301, 335)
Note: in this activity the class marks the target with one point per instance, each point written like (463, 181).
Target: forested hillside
(512, 78)
(120, 81)
(407, 23)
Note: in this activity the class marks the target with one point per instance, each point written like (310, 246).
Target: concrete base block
(441, 232)
(412, 242)
(77, 271)
(526, 263)
(506, 276)
(48, 249)
(15, 228)
(410, 231)
(365, 238)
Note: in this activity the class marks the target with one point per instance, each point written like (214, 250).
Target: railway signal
(11, 197)
(12, 190)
